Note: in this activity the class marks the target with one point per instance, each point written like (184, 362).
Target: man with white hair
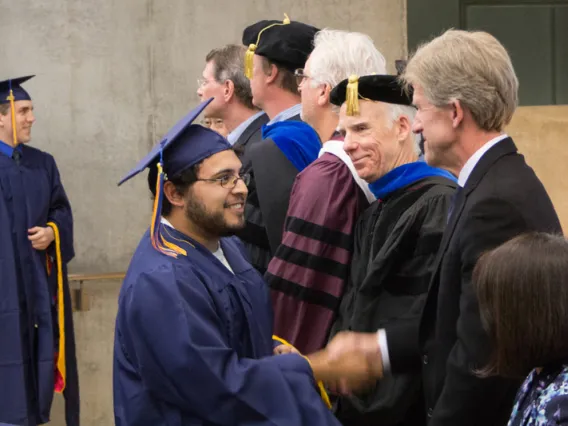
(466, 91)
(396, 239)
(310, 267)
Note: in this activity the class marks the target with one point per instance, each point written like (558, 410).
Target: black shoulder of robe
(396, 243)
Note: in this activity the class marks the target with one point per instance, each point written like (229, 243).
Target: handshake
(350, 362)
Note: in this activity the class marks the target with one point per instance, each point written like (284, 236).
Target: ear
(324, 93)
(457, 113)
(271, 78)
(172, 194)
(404, 128)
(228, 90)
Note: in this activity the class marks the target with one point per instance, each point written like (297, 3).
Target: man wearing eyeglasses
(193, 340)
(225, 81)
(327, 198)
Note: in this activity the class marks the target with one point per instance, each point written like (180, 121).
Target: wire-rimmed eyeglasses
(229, 181)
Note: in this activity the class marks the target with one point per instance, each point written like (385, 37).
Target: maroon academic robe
(307, 275)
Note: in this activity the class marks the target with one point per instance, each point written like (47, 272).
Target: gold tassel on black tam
(249, 55)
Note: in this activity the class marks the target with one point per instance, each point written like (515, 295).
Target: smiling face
(24, 121)
(216, 210)
(370, 139)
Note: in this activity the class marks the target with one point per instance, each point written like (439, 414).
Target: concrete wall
(94, 330)
(112, 77)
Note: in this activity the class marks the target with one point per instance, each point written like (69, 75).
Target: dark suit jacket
(501, 199)
(254, 233)
(251, 135)
(274, 175)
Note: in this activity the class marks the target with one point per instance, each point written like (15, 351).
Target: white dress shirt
(234, 136)
(474, 159)
(287, 114)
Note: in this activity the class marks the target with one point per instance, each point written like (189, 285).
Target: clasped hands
(351, 362)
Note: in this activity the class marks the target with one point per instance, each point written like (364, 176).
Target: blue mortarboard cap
(185, 145)
(15, 84)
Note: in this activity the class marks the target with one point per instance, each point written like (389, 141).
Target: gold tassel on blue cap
(352, 95)
(159, 242)
(13, 114)
(249, 55)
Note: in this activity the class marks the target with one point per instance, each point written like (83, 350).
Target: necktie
(16, 156)
(456, 198)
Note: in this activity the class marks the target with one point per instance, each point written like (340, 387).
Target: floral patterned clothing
(542, 399)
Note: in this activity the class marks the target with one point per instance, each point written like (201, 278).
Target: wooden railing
(79, 297)
(95, 277)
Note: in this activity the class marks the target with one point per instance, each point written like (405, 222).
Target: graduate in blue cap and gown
(193, 341)
(37, 348)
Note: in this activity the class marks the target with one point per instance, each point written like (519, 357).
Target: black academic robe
(193, 345)
(274, 177)
(254, 234)
(251, 136)
(396, 241)
(502, 198)
(31, 194)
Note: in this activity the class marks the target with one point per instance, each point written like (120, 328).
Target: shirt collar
(234, 136)
(8, 150)
(474, 159)
(166, 222)
(287, 114)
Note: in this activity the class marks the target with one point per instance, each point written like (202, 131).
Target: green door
(535, 32)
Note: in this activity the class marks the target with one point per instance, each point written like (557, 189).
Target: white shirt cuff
(383, 346)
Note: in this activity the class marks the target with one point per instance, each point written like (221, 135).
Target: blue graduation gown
(31, 194)
(193, 345)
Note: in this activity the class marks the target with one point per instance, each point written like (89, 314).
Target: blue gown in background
(193, 345)
(31, 194)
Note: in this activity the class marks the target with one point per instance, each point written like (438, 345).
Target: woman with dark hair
(522, 288)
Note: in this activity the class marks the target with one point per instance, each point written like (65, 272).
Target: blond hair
(471, 67)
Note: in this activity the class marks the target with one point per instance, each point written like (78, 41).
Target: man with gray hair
(466, 91)
(310, 267)
(224, 81)
(396, 239)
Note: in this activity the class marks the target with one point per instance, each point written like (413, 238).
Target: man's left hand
(41, 237)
